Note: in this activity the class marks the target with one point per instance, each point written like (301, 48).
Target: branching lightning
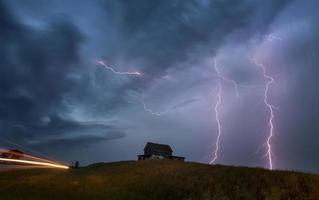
(219, 75)
(270, 80)
(217, 105)
(172, 108)
(272, 37)
(136, 73)
(151, 111)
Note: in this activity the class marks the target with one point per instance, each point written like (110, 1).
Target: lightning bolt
(270, 107)
(172, 108)
(272, 37)
(136, 73)
(217, 105)
(151, 111)
(232, 82)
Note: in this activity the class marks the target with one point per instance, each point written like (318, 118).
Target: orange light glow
(34, 163)
(33, 158)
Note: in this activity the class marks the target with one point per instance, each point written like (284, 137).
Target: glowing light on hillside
(34, 163)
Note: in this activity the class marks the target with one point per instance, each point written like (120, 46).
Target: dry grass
(157, 180)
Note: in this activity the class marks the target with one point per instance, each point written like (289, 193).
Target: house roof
(159, 147)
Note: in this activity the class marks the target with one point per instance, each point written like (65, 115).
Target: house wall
(156, 157)
(148, 151)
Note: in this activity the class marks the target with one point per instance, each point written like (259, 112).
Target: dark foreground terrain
(147, 180)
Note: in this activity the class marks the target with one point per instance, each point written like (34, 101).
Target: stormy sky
(56, 99)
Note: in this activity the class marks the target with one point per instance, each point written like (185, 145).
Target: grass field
(147, 180)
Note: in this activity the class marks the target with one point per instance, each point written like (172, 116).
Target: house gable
(157, 149)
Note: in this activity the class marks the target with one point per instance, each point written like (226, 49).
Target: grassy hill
(147, 180)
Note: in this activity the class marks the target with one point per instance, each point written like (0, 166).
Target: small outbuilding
(154, 151)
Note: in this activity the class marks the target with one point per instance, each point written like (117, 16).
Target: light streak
(270, 124)
(151, 111)
(136, 73)
(27, 156)
(29, 150)
(34, 163)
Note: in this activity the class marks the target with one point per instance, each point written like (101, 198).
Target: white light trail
(27, 156)
(28, 150)
(34, 163)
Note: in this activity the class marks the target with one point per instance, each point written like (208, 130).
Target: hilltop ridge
(158, 179)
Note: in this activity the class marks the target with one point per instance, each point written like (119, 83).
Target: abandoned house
(158, 151)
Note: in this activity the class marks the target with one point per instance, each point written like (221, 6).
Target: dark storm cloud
(78, 142)
(60, 132)
(52, 94)
(291, 59)
(59, 127)
(265, 12)
(298, 121)
(35, 68)
(185, 103)
(159, 35)
(163, 33)
(35, 75)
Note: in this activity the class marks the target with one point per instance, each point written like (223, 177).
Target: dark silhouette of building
(76, 164)
(158, 151)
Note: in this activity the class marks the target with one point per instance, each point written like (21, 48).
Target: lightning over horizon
(220, 78)
(236, 80)
(270, 80)
(219, 128)
(218, 102)
(230, 81)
